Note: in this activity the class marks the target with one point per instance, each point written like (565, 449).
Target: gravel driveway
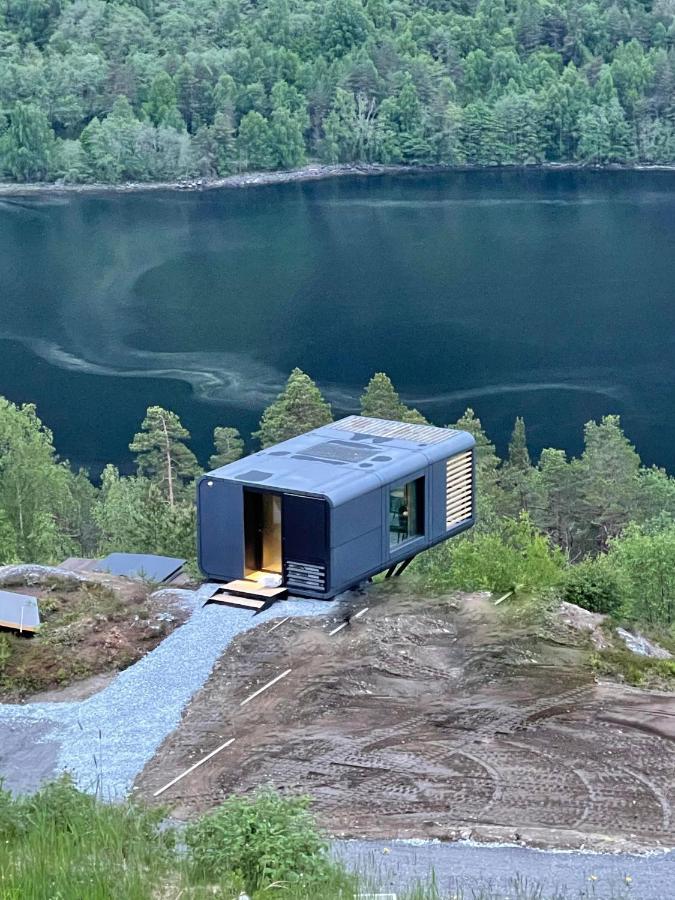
(463, 869)
(105, 740)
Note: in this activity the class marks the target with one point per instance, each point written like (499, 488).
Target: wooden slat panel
(459, 489)
(454, 498)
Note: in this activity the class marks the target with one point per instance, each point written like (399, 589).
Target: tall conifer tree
(161, 453)
(298, 408)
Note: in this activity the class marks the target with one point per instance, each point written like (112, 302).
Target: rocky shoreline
(248, 179)
(312, 172)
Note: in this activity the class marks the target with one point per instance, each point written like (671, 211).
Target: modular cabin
(335, 506)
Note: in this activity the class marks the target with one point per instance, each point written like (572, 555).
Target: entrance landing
(247, 594)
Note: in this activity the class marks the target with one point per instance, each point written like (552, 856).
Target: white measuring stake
(192, 768)
(344, 624)
(504, 597)
(278, 624)
(265, 686)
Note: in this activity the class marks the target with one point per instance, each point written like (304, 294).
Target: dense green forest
(102, 91)
(598, 530)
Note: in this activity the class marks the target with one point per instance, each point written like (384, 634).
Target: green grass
(642, 671)
(65, 845)
(61, 844)
(86, 628)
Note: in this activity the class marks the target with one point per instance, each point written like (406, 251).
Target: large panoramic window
(406, 512)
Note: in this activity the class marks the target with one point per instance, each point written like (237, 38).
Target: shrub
(642, 671)
(513, 557)
(6, 651)
(595, 585)
(645, 555)
(263, 840)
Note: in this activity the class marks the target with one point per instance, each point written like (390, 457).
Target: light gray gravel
(105, 740)
(463, 869)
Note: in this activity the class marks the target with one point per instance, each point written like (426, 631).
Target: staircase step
(232, 600)
(247, 595)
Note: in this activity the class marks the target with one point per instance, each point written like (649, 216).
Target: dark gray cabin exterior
(332, 507)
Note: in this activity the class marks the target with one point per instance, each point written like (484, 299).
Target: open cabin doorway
(262, 532)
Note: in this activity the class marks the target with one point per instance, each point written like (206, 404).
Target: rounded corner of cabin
(468, 441)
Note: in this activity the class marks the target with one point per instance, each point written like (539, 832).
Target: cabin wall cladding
(330, 508)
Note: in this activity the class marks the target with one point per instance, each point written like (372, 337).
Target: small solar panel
(329, 462)
(140, 565)
(19, 611)
(337, 450)
(384, 429)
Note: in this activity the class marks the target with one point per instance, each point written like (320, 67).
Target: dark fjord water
(543, 294)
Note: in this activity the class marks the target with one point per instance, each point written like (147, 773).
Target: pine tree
(556, 509)
(491, 500)
(519, 456)
(298, 408)
(517, 472)
(161, 453)
(609, 468)
(487, 460)
(229, 447)
(161, 99)
(381, 401)
(29, 145)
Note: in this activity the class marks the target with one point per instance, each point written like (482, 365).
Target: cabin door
(262, 532)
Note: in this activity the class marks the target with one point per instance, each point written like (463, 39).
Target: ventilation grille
(458, 489)
(310, 576)
(418, 434)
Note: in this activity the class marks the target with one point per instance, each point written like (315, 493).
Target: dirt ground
(439, 718)
(90, 630)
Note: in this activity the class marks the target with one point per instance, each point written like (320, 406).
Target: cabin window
(406, 512)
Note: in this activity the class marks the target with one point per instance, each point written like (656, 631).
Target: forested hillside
(156, 90)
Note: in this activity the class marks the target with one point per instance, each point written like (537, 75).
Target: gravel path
(105, 740)
(470, 867)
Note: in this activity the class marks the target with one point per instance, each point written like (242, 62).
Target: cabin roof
(347, 458)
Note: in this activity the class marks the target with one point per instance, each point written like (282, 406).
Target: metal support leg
(403, 566)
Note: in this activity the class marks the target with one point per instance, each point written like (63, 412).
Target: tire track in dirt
(416, 724)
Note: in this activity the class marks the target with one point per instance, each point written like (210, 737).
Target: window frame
(419, 484)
